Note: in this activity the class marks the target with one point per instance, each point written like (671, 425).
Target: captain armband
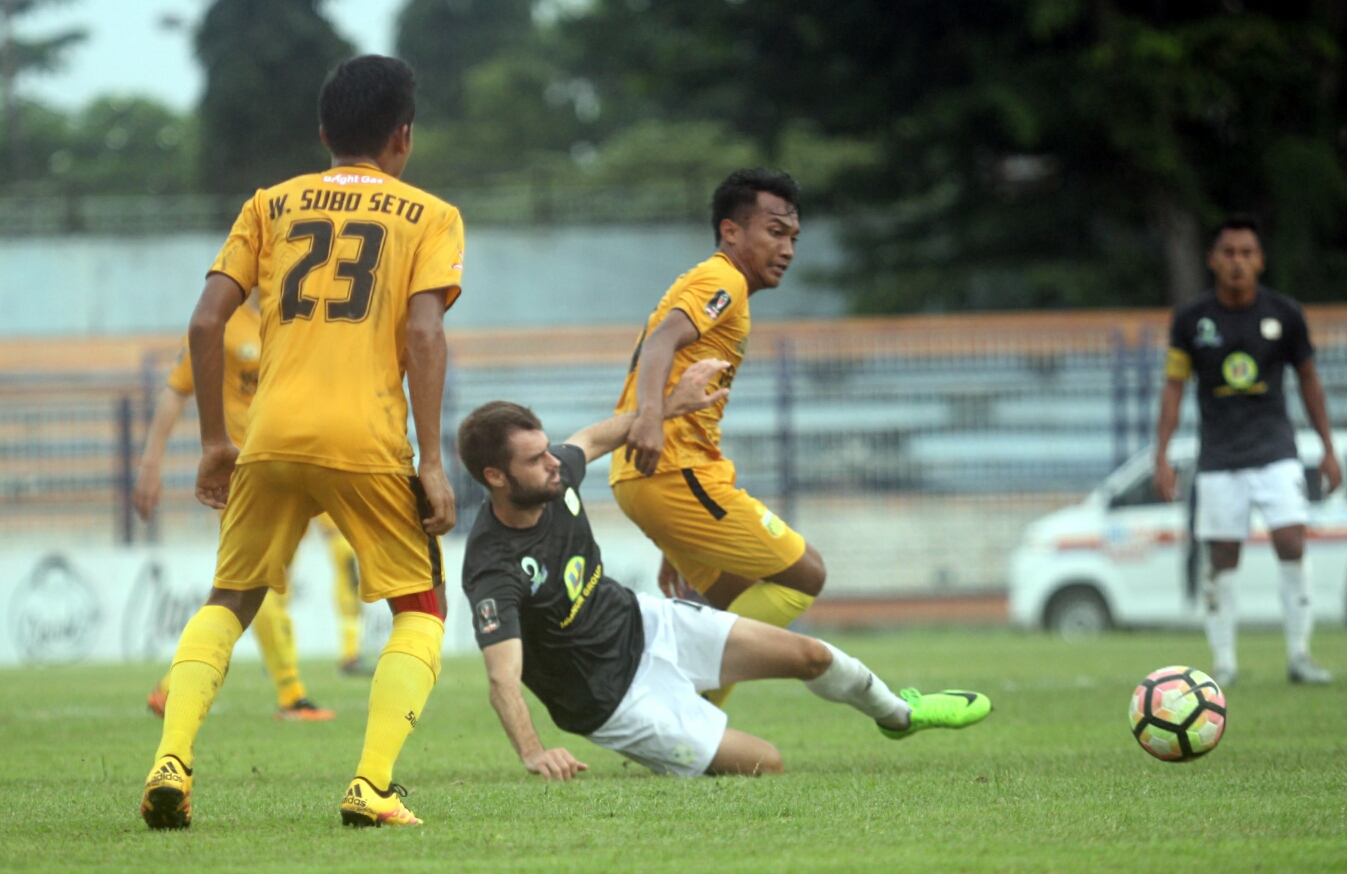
(1178, 365)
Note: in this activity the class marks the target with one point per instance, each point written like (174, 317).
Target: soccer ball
(1178, 714)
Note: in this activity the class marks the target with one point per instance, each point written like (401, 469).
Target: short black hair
(1239, 221)
(737, 196)
(364, 101)
(484, 436)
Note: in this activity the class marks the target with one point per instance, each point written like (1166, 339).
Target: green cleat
(949, 709)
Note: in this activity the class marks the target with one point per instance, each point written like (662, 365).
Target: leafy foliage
(19, 58)
(1034, 152)
(265, 61)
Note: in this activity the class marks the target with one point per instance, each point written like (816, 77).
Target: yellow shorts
(271, 503)
(705, 526)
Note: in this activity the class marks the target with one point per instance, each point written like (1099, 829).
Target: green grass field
(1052, 781)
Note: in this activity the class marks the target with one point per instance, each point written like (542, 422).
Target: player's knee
(243, 603)
(814, 658)
(1223, 556)
(769, 761)
(1289, 544)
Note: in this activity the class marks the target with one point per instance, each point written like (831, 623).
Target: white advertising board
(116, 604)
(71, 604)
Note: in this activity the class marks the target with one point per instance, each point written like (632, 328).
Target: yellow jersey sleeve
(1178, 364)
(439, 259)
(180, 377)
(711, 296)
(239, 256)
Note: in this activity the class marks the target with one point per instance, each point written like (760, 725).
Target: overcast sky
(130, 52)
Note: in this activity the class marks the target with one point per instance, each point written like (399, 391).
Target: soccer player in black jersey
(1237, 341)
(626, 670)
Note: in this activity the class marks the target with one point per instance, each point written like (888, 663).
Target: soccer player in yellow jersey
(272, 625)
(672, 480)
(355, 270)
(346, 591)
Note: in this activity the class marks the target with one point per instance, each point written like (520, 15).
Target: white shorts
(1225, 497)
(663, 722)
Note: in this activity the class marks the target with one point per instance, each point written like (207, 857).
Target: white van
(1122, 557)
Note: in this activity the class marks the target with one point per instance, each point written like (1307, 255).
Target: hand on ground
(555, 764)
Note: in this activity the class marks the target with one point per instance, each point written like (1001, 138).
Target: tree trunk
(1182, 239)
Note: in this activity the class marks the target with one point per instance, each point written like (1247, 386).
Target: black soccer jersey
(581, 631)
(1239, 357)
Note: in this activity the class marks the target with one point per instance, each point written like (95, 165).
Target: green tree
(445, 39)
(18, 58)
(265, 62)
(119, 146)
(1033, 152)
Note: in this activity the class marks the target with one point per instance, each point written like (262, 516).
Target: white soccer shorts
(663, 722)
(1225, 497)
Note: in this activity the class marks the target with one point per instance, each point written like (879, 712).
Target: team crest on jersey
(1271, 329)
(718, 303)
(572, 502)
(537, 573)
(1207, 334)
(487, 618)
(249, 352)
(1240, 371)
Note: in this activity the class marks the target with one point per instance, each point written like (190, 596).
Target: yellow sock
(766, 602)
(346, 589)
(276, 639)
(199, 668)
(350, 639)
(407, 671)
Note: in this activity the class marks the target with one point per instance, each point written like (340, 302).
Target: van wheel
(1078, 611)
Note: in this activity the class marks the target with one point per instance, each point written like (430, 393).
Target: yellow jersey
(714, 295)
(336, 256)
(243, 353)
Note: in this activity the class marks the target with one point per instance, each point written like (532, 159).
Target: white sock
(847, 681)
(1220, 597)
(1297, 609)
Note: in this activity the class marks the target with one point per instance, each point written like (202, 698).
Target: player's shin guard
(406, 673)
(276, 640)
(766, 602)
(1219, 592)
(848, 681)
(199, 668)
(1299, 611)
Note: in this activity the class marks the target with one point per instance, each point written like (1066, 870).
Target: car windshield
(1140, 491)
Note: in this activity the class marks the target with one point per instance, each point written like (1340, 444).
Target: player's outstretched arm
(1316, 407)
(205, 343)
(149, 483)
(504, 668)
(427, 356)
(688, 396)
(1171, 399)
(646, 438)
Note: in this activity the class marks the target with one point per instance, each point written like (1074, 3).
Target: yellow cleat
(167, 802)
(365, 806)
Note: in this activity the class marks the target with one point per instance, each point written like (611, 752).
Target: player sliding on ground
(271, 626)
(354, 270)
(626, 670)
(672, 480)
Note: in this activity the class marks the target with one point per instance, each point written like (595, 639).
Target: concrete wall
(514, 277)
